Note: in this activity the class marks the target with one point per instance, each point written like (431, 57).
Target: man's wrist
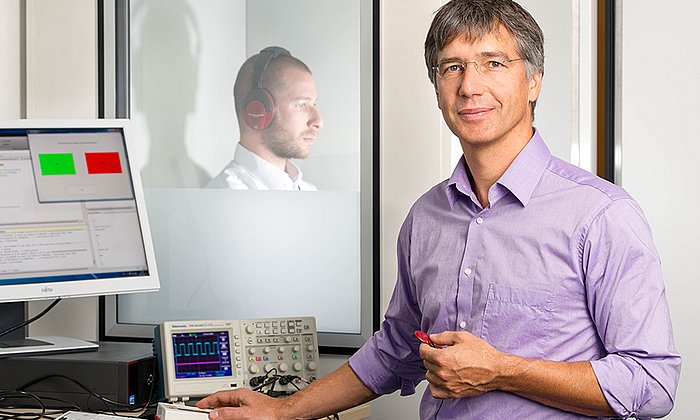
(511, 371)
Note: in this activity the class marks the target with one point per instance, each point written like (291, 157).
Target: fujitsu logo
(46, 289)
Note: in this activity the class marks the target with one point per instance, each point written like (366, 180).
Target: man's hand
(242, 404)
(462, 365)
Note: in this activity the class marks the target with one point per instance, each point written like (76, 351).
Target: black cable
(21, 394)
(91, 393)
(29, 321)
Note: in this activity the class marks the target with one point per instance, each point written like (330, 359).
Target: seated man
(275, 99)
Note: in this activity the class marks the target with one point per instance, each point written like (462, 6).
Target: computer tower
(123, 373)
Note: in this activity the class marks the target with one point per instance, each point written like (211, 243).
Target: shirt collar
(268, 174)
(521, 177)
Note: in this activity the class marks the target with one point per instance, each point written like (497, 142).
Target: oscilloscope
(275, 355)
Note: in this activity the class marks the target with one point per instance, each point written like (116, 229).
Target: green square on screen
(57, 164)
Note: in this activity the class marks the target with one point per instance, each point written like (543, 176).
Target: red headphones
(259, 107)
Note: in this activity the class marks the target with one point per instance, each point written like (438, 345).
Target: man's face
(490, 107)
(297, 119)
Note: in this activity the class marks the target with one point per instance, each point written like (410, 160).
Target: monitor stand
(17, 342)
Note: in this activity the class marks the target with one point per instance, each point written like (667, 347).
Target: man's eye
(454, 68)
(494, 65)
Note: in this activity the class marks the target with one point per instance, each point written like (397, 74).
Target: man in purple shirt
(539, 282)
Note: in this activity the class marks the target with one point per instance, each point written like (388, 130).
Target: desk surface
(356, 413)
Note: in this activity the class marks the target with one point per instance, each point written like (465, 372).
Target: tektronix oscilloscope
(273, 355)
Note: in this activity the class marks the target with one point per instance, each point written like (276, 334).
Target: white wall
(185, 55)
(660, 148)
(12, 63)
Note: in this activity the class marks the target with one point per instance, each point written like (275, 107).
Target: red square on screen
(103, 163)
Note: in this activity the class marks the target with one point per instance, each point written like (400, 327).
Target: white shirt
(247, 171)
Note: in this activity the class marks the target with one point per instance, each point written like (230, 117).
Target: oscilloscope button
(251, 350)
(295, 349)
(280, 349)
(266, 350)
(287, 339)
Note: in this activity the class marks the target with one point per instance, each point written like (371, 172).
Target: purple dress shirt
(561, 266)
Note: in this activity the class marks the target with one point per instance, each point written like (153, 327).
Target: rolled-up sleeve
(389, 360)
(627, 301)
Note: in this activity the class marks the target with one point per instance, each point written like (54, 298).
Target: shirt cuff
(624, 384)
(376, 376)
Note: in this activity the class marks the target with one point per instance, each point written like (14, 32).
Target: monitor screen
(72, 221)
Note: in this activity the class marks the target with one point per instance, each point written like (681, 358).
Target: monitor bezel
(103, 286)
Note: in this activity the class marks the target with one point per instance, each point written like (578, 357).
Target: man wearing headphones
(275, 99)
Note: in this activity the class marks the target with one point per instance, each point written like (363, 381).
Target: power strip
(198, 358)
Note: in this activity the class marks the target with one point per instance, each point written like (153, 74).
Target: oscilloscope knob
(250, 329)
(297, 367)
(280, 349)
(251, 350)
(295, 349)
(311, 365)
(253, 369)
(283, 367)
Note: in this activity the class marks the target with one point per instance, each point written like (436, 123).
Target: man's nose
(472, 81)
(316, 120)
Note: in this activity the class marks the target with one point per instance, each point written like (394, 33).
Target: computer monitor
(72, 220)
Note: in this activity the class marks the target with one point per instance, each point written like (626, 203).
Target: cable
(21, 394)
(29, 321)
(91, 393)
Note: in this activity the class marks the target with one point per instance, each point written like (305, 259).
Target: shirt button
(462, 324)
(479, 220)
(468, 271)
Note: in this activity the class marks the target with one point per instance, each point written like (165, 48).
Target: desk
(356, 413)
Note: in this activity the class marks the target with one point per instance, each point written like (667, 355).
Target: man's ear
(437, 97)
(535, 87)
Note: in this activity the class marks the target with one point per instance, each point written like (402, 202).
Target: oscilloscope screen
(202, 354)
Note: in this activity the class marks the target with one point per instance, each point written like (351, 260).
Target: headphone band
(263, 60)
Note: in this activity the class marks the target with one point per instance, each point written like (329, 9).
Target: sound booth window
(255, 126)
